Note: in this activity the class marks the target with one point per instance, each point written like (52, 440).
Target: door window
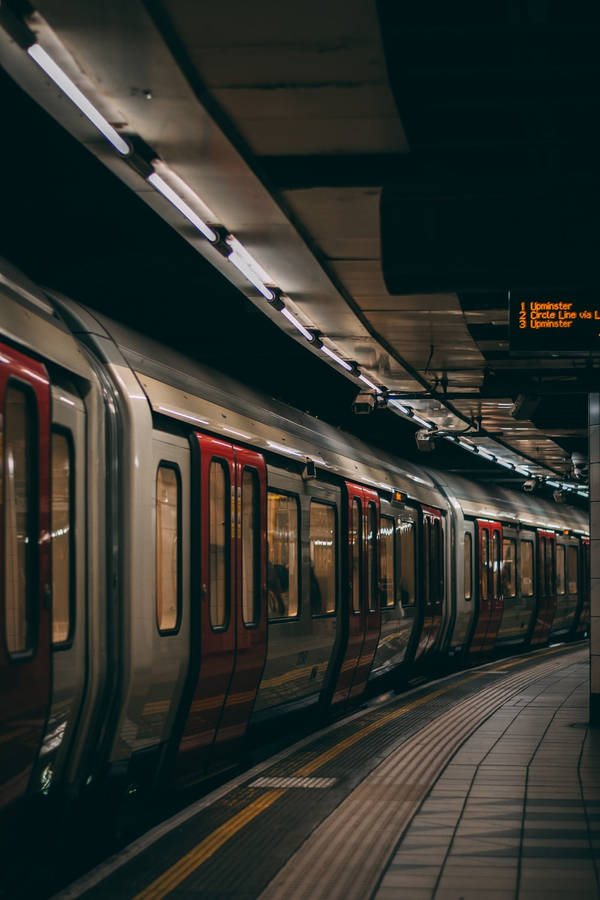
(62, 537)
(20, 570)
(468, 565)
(485, 561)
(323, 554)
(572, 569)
(250, 548)
(560, 569)
(356, 553)
(407, 563)
(509, 583)
(526, 568)
(371, 556)
(219, 544)
(168, 549)
(282, 560)
(496, 563)
(388, 589)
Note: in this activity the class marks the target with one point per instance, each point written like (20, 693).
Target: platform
(484, 784)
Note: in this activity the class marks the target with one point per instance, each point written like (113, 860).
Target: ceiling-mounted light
(523, 470)
(70, 89)
(429, 425)
(249, 267)
(505, 462)
(294, 321)
(402, 407)
(338, 359)
(370, 384)
(486, 455)
(184, 208)
(465, 445)
(554, 484)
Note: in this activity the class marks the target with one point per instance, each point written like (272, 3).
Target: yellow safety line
(184, 867)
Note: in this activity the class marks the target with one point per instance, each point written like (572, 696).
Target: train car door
(370, 585)
(250, 612)
(489, 613)
(582, 576)
(546, 596)
(432, 532)
(229, 522)
(25, 619)
(359, 620)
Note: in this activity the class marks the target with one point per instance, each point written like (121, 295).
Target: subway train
(184, 559)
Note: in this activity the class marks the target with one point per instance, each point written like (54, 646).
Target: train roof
(185, 389)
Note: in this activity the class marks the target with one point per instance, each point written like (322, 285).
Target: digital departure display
(564, 325)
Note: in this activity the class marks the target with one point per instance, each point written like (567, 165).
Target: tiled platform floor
(517, 812)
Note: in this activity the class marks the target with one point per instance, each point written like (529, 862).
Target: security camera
(529, 485)
(364, 403)
(425, 440)
(558, 496)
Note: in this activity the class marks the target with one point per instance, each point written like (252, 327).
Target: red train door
(546, 587)
(251, 597)
(491, 602)
(361, 609)
(370, 587)
(25, 616)
(231, 613)
(432, 543)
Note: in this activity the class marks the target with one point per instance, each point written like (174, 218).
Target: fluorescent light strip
(338, 359)
(249, 267)
(523, 471)
(369, 383)
(554, 484)
(422, 422)
(465, 446)
(403, 409)
(179, 203)
(505, 462)
(294, 321)
(486, 454)
(70, 89)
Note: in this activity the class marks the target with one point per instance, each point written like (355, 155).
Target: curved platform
(484, 784)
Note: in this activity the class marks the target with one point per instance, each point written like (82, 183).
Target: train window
(549, 567)
(407, 563)
(282, 561)
(468, 565)
(322, 540)
(371, 525)
(496, 563)
(62, 537)
(250, 548)
(168, 548)
(526, 568)
(19, 517)
(356, 551)
(386, 562)
(218, 530)
(485, 562)
(509, 573)
(437, 561)
(572, 566)
(427, 559)
(560, 569)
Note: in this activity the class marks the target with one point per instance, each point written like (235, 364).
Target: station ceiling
(395, 168)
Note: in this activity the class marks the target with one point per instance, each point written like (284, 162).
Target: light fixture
(70, 89)
(294, 321)
(249, 267)
(554, 484)
(465, 445)
(370, 384)
(428, 425)
(403, 409)
(505, 462)
(338, 359)
(160, 185)
(523, 470)
(486, 454)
